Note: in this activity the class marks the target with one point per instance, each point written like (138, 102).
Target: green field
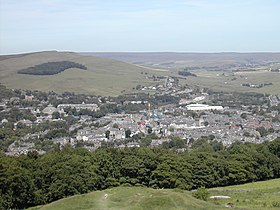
(227, 81)
(263, 195)
(131, 198)
(256, 196)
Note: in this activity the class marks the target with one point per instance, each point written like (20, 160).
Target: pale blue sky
(139, 25)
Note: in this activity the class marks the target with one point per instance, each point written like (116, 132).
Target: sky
(139, 25)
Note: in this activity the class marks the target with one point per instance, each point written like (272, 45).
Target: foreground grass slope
(132, 198)
(103, 76)
(264, 195)
(256, 195)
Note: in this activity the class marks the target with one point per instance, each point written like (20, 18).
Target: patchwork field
(227, 81)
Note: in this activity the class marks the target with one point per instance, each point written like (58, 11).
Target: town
(173, 116)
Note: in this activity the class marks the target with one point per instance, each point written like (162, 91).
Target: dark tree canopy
(51, 68)
(186, 73)
(33, 179)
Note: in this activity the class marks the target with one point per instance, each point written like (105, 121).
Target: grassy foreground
(131, 198)
(263, 195)
(256, 195)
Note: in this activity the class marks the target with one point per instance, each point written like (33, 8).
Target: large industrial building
(203, 107)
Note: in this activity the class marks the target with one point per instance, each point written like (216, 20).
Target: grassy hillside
(210, 79)
(257, 195)
(131, 198)
(263, 195)
(110, 77)
(103, 76)
(181, 60)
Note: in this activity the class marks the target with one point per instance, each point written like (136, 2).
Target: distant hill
(109, 74)
(103, 76)
(217, 71)
(180, 60)
(128, 198)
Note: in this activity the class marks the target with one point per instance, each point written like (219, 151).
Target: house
(117, 134)
(49, 110)
(133, 144)
(78, 107)
(25, 122)
(4, 121)
(29, 98)
(3, 106)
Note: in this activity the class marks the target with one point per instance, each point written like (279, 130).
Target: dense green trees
(51, 68)
(236, 99)
(35, 179)
(186, 73)
(15, 114)
(264, 132)
(7, 93)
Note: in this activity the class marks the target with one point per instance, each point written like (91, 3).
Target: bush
(201, 194)
(276, 204)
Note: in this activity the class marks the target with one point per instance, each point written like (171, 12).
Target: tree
(107, 134)
(176, 142)
(262, 131)
(243, 115)
(217, 146)
(150, 130)
(55, 115)
(128, 133)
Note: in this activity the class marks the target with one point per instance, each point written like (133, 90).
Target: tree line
(186, 73)
(51, 68)
(33, 179)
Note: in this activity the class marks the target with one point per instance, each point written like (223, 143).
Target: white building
(203, 107)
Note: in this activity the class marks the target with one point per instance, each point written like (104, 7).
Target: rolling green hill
(263, 195)
(103, 76)
(179, 60)
(131, 198)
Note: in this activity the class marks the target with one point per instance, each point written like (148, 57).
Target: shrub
(201, 194)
